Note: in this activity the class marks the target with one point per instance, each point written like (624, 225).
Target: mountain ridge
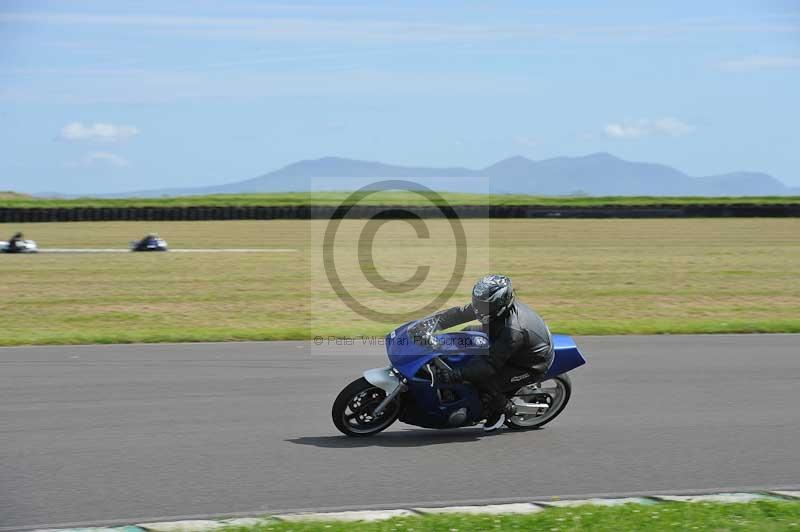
(596, 174)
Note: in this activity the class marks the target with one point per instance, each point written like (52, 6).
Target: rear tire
(559, 397)
(352, 410)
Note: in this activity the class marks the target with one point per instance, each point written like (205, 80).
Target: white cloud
(100, 159)
(671, 126)
(97, 132)
(634, 129)
(359, 24)
(759, 62)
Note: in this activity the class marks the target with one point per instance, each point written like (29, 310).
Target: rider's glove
(431, 340)
(421, 332)
(417, 329)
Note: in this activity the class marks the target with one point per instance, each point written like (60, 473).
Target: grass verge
(383, 198)
(366, 335)
(761, 515)
(583, 276)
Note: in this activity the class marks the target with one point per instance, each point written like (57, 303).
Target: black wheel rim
(359, 416)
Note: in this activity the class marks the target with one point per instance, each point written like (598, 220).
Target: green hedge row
(91, 214)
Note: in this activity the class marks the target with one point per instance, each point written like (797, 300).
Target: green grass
(382, 198)
(755, 516)
(583, 276)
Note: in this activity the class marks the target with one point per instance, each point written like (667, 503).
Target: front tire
(555, 392)
(353, 409)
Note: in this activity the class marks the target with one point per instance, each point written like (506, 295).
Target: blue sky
(114, 96)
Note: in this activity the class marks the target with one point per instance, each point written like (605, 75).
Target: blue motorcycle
(412, 388)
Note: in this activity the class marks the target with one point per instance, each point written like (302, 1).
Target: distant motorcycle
(409, 390)
(149, 244)
(23, 246)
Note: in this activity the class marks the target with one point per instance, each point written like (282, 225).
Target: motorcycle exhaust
(529, 408)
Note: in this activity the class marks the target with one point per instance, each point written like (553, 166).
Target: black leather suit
(520, 337)
(14, 242)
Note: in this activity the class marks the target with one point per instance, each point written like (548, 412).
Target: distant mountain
(747, 183)
(335, 173)
(599, 174)
(10, 194)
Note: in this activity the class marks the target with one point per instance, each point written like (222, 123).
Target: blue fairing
(408, 356)
(426, 405)
(567, 357)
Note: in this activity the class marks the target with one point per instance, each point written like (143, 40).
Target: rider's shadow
(404, 438)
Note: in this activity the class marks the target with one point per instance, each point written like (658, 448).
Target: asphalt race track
(141, 432)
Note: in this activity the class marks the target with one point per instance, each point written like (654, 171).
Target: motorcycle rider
(518, 336)
(15, 241)
(151, 238)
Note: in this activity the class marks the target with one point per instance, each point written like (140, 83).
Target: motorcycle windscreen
(407, 355)
(404, 353)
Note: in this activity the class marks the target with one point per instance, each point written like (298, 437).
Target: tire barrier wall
(108, 214)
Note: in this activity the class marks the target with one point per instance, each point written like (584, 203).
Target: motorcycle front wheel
(353, 410)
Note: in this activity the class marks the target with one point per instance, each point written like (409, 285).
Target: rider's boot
(497, 408)
(494, 421)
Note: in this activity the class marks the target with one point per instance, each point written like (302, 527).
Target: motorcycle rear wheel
(353, 409)
(556, 392)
